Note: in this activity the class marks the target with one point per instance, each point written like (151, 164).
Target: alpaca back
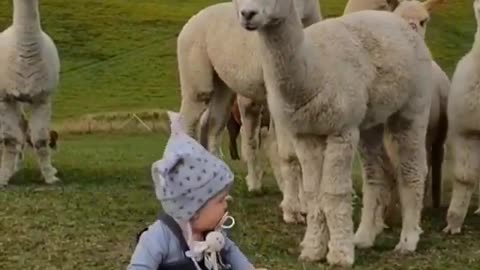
(28, 69)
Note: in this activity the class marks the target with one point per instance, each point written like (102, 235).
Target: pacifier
(223, 222)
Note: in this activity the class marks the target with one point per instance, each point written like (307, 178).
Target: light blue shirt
(158, 245)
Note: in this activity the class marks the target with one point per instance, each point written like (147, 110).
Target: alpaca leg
(233, 129)
(12, 139)
(310, 153)
(19, 158)
(250, 113)
(218, 112)
(271, 148)
(40, 135)
(477, 212)
(377, 186)
(336, 196)
(437, 158)
(406, 132)
(466, 169)
(427, 198)
(291, 175)
(196, 82)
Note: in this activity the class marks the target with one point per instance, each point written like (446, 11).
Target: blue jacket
(158, 245)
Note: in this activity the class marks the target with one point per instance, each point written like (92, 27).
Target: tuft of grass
(116, 122)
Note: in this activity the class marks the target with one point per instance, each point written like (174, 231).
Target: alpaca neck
(26, 18)
(284, 59)
(476, 42)
(314, 17)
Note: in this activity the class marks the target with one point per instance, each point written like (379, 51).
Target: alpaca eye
(422, 23)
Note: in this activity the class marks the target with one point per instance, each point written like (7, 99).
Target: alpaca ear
(430, 5)
(394, 3)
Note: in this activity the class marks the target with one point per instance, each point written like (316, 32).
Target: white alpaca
(417, 15)
(327, 83)
(216, 62)
(29, 73)
(464, 131)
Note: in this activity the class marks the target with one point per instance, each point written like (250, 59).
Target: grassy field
(120, 55)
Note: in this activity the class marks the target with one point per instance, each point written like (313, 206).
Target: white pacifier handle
(224, 220)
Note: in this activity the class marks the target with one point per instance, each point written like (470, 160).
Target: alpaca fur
(464, 131)
(417, 15)
(29, 73)
(328, 85)
(209, 80)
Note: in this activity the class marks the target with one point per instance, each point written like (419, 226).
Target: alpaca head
(417, 13)
(256, 14)
(357, 5)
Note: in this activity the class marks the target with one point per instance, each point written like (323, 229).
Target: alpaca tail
(437, 156)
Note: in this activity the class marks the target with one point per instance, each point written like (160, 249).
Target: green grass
(120, 55)
(108, 196)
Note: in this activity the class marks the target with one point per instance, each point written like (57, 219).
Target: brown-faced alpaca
(464, 131)
(328, 85)
(216, 62)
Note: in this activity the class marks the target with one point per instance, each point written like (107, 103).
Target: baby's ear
(229, 198)
(431, 5)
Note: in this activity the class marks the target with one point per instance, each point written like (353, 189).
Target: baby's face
(211, 214)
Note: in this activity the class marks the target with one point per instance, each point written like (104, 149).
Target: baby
(192, 186)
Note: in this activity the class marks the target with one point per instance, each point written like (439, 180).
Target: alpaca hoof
(407, 245)
(254, 189)
(452, 230)
(253, 184)
(310, 255)
(403, 249)
(293, 218)
(52, 180)
(364, 239)
(340, 258)
(477, 212)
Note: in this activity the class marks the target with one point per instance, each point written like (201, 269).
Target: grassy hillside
(120, 55)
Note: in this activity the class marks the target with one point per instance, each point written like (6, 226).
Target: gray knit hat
(188, 175)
